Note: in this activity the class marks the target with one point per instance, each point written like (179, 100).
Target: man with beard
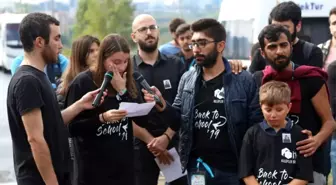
(164, 72)
(36, 123)
(183, 38)
(310, 102)
(214, 107)
(329, 47)
(288, 14)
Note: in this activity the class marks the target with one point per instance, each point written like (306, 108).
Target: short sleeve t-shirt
(30, 89)
(211, 139)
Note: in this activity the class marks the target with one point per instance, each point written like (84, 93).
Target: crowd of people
(272, 124)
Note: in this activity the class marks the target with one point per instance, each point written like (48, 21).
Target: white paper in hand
(136, 109)
(174, 170)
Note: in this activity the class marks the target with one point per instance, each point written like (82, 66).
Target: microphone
(140, 79)
(107, 78)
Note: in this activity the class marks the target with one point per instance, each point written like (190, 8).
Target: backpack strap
(307, 49)
(325, 50)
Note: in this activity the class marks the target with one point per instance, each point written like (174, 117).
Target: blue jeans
(333, 158)
(221, 178)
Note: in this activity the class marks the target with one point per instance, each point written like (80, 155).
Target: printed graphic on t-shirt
(273, 177)
(286, 138)
(288, 156)
(117, 128)
(167, 84)
(210, 122)
(219, 95)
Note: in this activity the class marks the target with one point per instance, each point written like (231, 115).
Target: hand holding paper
(174, 170)
(136, 109)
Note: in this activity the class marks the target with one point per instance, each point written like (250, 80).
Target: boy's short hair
(274, 92)
(182, 29)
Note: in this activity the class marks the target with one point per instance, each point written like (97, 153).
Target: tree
(104, 17)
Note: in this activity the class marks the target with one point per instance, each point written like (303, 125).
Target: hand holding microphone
(107, 78)
(150, 93)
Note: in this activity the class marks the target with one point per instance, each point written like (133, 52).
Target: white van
(10, 44)
(244, 19)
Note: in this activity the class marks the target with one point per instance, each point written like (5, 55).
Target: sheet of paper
(174, 170)
(136, 109)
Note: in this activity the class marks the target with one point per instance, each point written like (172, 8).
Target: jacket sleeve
(173, 112)
(254, 112)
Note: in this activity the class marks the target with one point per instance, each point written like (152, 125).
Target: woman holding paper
(105, 135)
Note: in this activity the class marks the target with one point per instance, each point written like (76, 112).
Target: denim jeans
(333, 158)
(220, 177)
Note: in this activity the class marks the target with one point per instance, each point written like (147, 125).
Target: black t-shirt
(273, 159)
(315, 58)
(29, 89)
(211, 139)
(309, 118)
(104, 151)
(165, 74)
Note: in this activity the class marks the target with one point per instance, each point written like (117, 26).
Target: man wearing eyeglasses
(215, 108)
(163, 72)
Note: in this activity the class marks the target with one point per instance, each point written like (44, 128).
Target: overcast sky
(31, 1)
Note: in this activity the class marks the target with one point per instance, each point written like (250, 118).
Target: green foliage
(23, 8)
(102, 17)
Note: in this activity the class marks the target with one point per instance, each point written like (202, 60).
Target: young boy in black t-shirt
(268, 155)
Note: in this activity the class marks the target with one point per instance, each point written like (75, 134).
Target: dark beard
(209, 60)
(279, 67)
(48, 56)
(148, 48)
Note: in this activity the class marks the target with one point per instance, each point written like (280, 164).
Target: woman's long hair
(80, 51)
(110, 45)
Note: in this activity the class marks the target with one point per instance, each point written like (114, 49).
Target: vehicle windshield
(13, 36)
(239, 38)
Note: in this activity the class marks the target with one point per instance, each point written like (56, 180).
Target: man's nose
(280, 50)
(148, 31)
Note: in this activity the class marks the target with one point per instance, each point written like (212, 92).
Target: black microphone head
(108, 75)
(137, 76)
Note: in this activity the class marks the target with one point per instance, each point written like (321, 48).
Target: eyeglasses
(200, 43)
(145, 29)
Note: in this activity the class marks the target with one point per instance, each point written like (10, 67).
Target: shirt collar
(138, 59)
(264, 125)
